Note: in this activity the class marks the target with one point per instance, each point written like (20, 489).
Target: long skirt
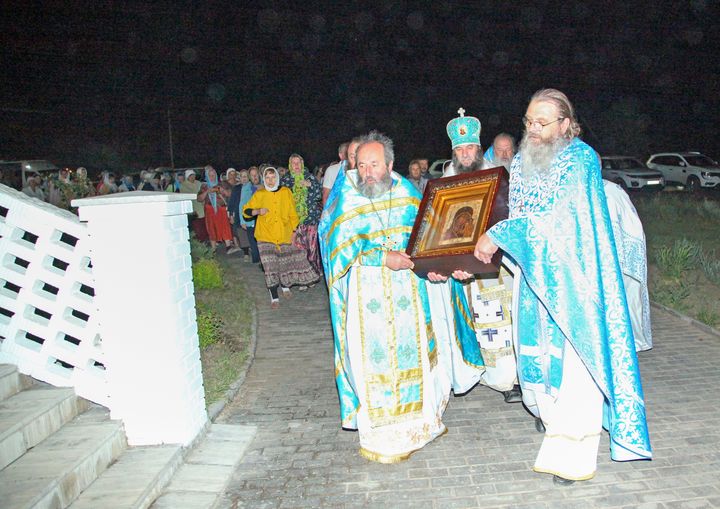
(306, 238)
(217, 223)
(286, 265)
(199, 228)
(242, 236)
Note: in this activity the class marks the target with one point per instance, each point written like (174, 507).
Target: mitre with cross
(463, 130)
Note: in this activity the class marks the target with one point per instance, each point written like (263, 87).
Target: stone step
(29, 417)
(11, 381)
(134, 481)
(53, 473)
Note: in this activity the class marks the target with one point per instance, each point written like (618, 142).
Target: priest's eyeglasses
(536, 124)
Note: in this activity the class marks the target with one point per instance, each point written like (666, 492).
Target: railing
(121, 329)
(48, 314)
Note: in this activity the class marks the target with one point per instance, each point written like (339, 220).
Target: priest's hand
(485, 248)
(436, 278)
(398, 260)
(461, 275)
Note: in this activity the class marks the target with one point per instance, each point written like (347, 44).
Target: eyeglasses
(530, 123)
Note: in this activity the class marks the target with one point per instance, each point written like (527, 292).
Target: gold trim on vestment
(380, 233)
(394, 379)
(382, 458)
(490, 356)
(394, 458)
(348, 420)
(402, 376)
(371, 207)
(352, 240)
(469, 322)
(571, 438)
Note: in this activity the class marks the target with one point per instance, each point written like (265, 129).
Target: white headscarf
(277, 179)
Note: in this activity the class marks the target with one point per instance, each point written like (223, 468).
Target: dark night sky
(91, 82)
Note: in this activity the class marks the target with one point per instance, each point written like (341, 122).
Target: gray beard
(502, 162)
(375, 189)
(537, 159)
(477, 164)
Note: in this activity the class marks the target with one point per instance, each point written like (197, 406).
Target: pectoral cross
(390, 245)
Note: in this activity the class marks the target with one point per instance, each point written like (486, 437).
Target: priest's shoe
(513, 395)
(539, 426)
(561, 481)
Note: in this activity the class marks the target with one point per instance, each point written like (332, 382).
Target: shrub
(209, 327)
(708, 317)
(671, 294)
(199, 250)
(709, 209)
(710, 265)
(676, 260)
(207, 274)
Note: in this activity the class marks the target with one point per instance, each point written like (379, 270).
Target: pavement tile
(300, 457)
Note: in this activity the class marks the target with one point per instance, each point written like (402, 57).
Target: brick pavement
(301, 458)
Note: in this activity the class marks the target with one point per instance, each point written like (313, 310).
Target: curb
(692, 321)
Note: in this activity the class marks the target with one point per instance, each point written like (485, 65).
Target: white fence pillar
(143, 284)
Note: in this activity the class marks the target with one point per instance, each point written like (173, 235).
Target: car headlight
(705, 174)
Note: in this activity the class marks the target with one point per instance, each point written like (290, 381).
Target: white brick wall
(141, 262)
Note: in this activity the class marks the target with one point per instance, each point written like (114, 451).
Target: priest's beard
(501, 161)
(476, 164)
(537, 158)
(376, 188)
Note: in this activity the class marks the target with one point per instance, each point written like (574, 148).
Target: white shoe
(231, 250)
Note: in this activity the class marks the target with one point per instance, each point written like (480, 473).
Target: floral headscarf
(211, 183)
(299, 191)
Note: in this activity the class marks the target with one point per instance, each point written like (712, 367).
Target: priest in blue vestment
(576, 351)
(393, 373)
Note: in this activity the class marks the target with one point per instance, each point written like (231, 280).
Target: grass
(224, 310)
(682, 243)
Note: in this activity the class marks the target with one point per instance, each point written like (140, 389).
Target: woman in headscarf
(174, 186)
(82, 188)
(248, 225)
(108, 184)
(238, 179)
(147, 177)
(192, 185)
(307, 192)
(214, 196)
(127, 184)
(284, 263)
(60, 190)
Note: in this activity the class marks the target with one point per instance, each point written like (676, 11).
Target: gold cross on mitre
(461, 112)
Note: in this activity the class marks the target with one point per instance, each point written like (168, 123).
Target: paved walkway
(301, 458)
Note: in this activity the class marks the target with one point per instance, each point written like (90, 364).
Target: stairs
(58, 450)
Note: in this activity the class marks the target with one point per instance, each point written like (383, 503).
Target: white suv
(630, 173)
(690, 169)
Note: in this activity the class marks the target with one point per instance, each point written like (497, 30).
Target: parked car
(17, 172)
(690, 169)
(631, 173)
